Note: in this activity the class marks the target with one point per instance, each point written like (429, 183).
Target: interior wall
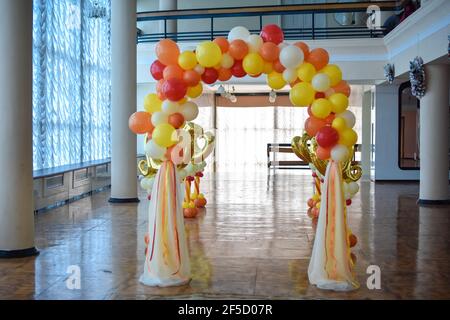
(386, 136)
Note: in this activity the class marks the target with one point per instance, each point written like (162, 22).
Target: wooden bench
(275, 148)
(291, 164)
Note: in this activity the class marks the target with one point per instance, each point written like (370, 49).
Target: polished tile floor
(253, 241)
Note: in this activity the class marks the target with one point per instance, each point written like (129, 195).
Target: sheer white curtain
(71, 81)
(242, 133)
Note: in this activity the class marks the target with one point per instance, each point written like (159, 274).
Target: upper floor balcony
(309, 20)
(354, 32)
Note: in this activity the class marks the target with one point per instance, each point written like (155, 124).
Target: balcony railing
(308, 33)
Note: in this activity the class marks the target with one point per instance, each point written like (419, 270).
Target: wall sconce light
(272, 96)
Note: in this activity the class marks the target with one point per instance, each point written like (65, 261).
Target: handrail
(265, 10)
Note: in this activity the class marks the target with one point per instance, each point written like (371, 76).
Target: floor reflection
(253, 240)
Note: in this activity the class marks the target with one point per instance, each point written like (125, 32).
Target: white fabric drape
(71, 81)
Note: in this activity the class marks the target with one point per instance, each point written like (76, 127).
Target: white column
(16, 160)
(171, 24)
(434, 135)
(123, 101)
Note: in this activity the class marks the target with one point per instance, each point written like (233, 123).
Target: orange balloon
(222, 43)
(238, 49)
(159, 91)
(342, 87)
(323, 153)
(318, 58)
(176, 120)
(167, 52)
(313, 124)
(330, 118)
(140, 122)
(269, 51)
(224, 74)
(191, 78)
(278, 67)
(304, 47)
(173, 71)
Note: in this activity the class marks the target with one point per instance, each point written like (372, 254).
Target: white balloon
(190, 169)
(238, 33)
(189, 110)
(159, 117)
(154, 151)
(254, 42)
(321, 82)
(227, 61)
(353, 188)
(291, 56)
(169, 107)
(347, 195)
(339, 153)
(199, 69)
(349, 118)
(147, 183)
(182, 173)
(289, 75)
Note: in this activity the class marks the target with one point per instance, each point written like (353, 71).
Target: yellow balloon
(152, 103)
(339, 102)
(334, 72)
(187, 60)
(268, 68)
(321, 108)
(302, 94)
(348, 137)
(208, 54)
(195, 91)
(306, 72)
(275, 80)
(253, 64)
(339, 124)
(164, 135)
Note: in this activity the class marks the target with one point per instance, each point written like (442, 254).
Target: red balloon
(157, 69)
(174, 89)
(327, 137)
(237, 70)
(313, 125)
(272, 33)
(210, 75)
(319, 95)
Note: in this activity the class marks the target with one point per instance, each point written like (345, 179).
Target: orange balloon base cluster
(190, 213)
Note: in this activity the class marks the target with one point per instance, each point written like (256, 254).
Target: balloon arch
(174, 158)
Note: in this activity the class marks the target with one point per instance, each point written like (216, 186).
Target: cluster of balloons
(314, 82)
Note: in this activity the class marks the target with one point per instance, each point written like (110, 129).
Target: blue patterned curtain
(71, 81)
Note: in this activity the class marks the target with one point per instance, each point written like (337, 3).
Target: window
(71, 81)
(409, 112)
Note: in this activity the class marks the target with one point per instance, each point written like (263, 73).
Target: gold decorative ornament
(150, 166)
(304, 147)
